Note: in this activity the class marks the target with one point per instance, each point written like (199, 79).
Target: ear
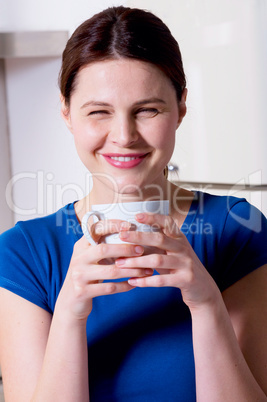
(182, 107)
(65, 112)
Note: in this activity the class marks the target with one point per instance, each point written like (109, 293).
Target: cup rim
(101, 207)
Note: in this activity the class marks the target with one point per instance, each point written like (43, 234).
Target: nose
(124, 132)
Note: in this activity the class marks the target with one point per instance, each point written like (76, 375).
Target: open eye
(147, 112)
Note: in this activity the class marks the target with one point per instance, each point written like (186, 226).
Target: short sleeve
(243, 242)
(19, 271)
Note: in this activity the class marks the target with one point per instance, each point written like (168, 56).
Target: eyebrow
(94, 103)
(141, 102)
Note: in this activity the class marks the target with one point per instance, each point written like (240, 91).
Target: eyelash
(98, 112)
(153, 111)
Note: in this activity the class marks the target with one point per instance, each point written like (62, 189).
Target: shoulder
(230, 213)
(42, 239)
(234, 221)
(232, 239)
(35, 254)
(61, 223)
(211, 204)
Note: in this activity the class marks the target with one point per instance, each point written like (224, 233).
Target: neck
(105, 194)
(180, 199)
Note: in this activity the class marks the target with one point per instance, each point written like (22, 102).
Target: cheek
(86, 137)
(162, 135)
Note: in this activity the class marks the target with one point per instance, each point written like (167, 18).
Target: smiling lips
(124, 161)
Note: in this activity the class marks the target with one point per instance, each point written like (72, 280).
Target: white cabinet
(223, 137)
(222, 140)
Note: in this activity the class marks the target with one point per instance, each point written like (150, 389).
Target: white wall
(6, 218)
(43, 154)
(46, 170)
(223, 42)
(223, 136)
(224, 46)
(37, 15)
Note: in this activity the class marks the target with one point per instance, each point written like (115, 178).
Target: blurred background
(221, 145)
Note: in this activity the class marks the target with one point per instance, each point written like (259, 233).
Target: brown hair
(122, 32)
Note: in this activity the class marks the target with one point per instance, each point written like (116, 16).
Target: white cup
(124, 211)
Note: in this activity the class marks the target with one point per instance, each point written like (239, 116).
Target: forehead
(122, 76)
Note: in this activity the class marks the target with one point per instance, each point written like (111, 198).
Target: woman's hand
(92, 264)
(178, 265)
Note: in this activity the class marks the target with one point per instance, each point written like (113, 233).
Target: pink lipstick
(124, 161)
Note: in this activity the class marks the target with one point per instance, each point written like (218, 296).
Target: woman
(184, 323)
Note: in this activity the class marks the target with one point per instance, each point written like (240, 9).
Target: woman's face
(123, 114)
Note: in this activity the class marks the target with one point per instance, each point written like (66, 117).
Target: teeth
(123, 159)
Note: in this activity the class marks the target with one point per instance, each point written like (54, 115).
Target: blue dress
(139, 342)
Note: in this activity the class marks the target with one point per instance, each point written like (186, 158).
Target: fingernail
(120, 262)
(98, 229)
(148, 271)
(132, 281)
(140, 217)
(123, 235)
(125, 225)
(138, 249)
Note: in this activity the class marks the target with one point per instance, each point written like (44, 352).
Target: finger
(105, 227)
(105, 288)
(109, 226)
(153, 239)
(164, 222)
(97, 273)
(153, 261)
(152, 281)
(104, 251)
(82, 244)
